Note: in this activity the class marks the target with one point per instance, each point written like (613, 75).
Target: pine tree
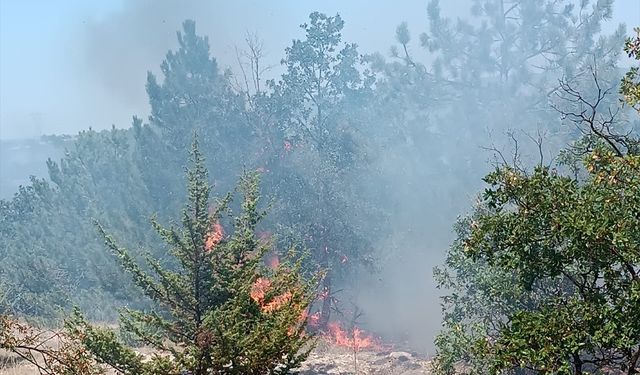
(319, 101)
(220, 310)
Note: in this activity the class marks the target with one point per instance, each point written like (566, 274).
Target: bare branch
(587, 113)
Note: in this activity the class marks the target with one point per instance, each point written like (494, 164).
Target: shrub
(220, 309)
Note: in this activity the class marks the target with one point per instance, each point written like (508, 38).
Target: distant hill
(22, 158)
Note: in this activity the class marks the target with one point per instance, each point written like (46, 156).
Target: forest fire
(313, 320)
(258, 294)
(312, 202)
(277, 302)
(214, 236)
(259, 289)
(355, 339)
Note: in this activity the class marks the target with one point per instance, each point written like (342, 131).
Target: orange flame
(258, 294)
(277, 302)
(355, 340)
(214, 236)
(259, 289)
(312, 320)
(292, 330)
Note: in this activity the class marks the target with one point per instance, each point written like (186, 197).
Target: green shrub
(220, 309)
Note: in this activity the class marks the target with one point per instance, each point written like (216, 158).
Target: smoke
(400, 301)
(120, 48)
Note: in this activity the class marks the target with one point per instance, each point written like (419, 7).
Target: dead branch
(589, 116)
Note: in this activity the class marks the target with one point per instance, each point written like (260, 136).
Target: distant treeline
(21, 158)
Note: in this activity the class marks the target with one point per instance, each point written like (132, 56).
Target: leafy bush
(545, 274)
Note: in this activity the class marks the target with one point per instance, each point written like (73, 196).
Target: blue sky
(67, 65)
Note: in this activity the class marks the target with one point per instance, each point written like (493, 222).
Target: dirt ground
(332, 360)
(325, 359)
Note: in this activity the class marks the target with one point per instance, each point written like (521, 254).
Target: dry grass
(11, 364)
(326, 359)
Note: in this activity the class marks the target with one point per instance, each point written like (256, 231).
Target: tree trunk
(633, 363)
(577, 362)
(325, 312)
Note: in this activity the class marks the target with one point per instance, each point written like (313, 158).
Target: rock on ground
(332, 360)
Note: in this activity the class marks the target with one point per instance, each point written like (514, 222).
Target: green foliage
(119, 177)
(220, 309)
(320, 133)
(191, 95)
(333, 137)
(630, 86)
(319, 104)
(557, 259)
(543, 274)
(48, 240)
(479, 296)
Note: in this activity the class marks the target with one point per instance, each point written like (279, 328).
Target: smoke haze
(74, 64)
(101, 63)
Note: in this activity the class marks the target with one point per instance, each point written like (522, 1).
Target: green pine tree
(220, 310)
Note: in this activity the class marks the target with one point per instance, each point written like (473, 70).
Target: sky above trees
(68, 65)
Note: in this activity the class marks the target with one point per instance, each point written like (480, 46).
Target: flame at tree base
(355, 339)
